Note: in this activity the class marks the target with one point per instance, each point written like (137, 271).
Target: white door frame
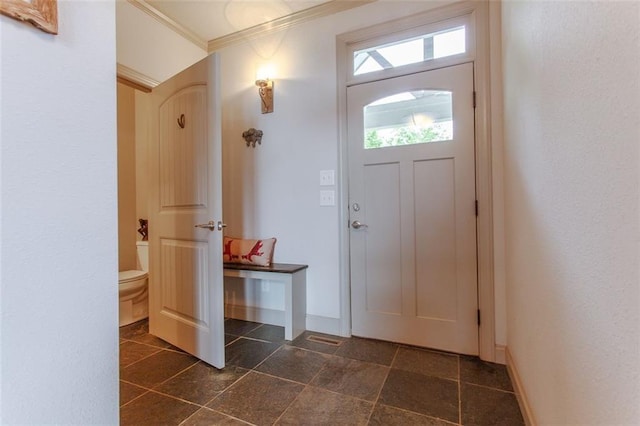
(478, 13)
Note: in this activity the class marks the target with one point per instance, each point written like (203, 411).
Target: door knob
(357, 225)
(221, 225)
(211, 225)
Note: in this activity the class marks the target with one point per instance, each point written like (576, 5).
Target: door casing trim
(479, 13)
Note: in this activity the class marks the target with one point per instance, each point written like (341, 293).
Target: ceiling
(213, 19)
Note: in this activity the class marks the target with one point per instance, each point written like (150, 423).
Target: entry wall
(571, 114)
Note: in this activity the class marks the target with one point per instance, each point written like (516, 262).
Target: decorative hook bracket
(181, 121)
(252, 136)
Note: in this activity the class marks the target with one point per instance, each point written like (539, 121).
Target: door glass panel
(426, 47)
(408, 118)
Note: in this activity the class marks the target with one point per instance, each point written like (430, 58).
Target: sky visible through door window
(410, 51)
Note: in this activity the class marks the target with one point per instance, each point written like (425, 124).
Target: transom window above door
(425, 47)
(408, 118)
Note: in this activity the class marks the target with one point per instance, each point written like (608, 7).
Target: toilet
(133, 288)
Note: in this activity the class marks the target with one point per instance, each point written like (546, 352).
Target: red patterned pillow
(250, 252)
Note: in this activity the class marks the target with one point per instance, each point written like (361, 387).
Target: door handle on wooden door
(212, 226)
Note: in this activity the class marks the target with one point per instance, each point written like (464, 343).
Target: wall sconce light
(265, 90)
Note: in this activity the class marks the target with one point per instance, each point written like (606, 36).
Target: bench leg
(299, 305)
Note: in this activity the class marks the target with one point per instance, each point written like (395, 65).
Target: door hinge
(478, 316)
(476, 207)
(474, 98)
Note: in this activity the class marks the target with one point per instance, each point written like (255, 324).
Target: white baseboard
(274, 317)
(525, 408)
(250, 313)
(501, 354)
(324, 325)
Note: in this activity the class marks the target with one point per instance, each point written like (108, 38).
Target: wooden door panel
(183, 150)
(184, 280)
(186, 294)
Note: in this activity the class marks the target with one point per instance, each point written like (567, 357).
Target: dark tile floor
(315, 380)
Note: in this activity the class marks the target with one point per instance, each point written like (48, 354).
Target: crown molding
(319, 11)
(138, 79)
(170, 23)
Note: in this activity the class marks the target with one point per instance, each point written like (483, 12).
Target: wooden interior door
(186, 303)
(412, 209)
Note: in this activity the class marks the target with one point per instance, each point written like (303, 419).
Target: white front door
(186, 305)
(412, 209)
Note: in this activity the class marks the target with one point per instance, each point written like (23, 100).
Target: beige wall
(127, 221)
(571, 114)
(142, 131)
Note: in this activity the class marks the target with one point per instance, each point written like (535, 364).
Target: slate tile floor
(307, 382)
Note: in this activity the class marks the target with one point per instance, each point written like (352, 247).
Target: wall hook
(252, 136)
(181, 121)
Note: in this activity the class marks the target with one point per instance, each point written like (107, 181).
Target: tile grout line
(244, 333)
(227, 388)
(330, 356)
(266, 358)
(141, 359)
(319, 387)
(176, 398)
(490, 387)
(459, 392)
(254, 369)
(279, 378)
(146, 391)
(375, 402)
(165, 381)
(161, 393)
(226, 415)
(290, 404)
(310, 350)
(306, 387)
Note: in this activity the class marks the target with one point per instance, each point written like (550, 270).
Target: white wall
(59, 306)
(273, 190)
(150, 48)
(572, 108)
(497, 176)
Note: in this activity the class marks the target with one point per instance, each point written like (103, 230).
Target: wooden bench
(294, 278)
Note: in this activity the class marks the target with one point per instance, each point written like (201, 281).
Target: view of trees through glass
(407, 136)
(408, 118)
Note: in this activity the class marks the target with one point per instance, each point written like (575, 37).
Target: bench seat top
(286, 268)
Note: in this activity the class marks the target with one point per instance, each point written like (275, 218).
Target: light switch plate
(328, 198)
(327, 177)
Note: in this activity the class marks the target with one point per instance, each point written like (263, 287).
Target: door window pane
(426, 47)
(409, 118)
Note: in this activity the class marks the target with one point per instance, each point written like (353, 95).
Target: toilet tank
(143, 255)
